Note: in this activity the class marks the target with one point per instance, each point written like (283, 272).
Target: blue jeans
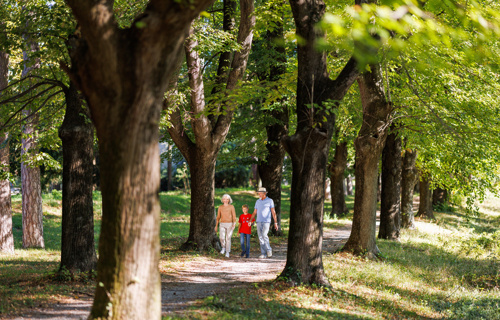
(262, 231)
(245, 237)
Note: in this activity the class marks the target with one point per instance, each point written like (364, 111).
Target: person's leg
(260, 233)
(229, 235)
(242, 242)
(222, 238)
(247, 236)
(267, 246)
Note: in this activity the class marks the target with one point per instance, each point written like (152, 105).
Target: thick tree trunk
(337, 168)
(202, 222)
(408, 181)
(425, 209)
(270, 169)
(390, 207)
(77, 136)
(369, 144)
(6, 236)
(123, 74)
(308, 147)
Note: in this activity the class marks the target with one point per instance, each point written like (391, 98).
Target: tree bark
(425, 209)
(408, 181)
(32, 214)
(368, 145)
(6, 236)
(390, 207)
(209, 131)
(308, 147)
(337, 168)
(77, 136)
(271, 168)
(123, 74)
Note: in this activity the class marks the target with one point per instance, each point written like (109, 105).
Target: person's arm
(274, 217)
(253, 216)
(233, 218)
(217, 219)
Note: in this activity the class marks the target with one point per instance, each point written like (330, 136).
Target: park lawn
(445, 269)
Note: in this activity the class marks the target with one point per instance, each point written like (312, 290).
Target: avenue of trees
(393, 92)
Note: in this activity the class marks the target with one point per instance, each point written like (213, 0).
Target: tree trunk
(209, 131)
(408, 181)
(270, 169)
(32, 218)
(368, 145)
(337, 168)
(425, 209)
(390, 207)
(77, 136)
(439, 196)
(6, 236)
(202, 222)
(123, 74)
(308, 147)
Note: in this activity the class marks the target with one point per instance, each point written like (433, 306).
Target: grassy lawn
(448, 269)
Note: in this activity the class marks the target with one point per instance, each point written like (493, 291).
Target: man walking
(264, 207)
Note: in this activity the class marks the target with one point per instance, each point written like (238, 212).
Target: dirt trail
(200, 278)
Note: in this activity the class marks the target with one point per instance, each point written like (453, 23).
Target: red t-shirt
(244, 227)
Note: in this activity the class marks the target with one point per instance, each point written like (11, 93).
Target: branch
(238, 66)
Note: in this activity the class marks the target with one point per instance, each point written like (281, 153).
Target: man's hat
(261, 189)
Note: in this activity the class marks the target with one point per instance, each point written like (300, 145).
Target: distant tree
(408, 180)
(390, 206)
(425, 209)
(337, 169)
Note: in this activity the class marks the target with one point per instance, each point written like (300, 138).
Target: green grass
(448, 269)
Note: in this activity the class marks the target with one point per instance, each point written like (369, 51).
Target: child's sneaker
(227, 254)
(269, 254)
(223, 251)
(262, 256)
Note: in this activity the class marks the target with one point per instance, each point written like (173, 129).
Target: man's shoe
(262, 256)
(269, 254)
(242, 254)
(223, 251)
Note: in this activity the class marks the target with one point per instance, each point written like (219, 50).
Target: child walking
(245, 230)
